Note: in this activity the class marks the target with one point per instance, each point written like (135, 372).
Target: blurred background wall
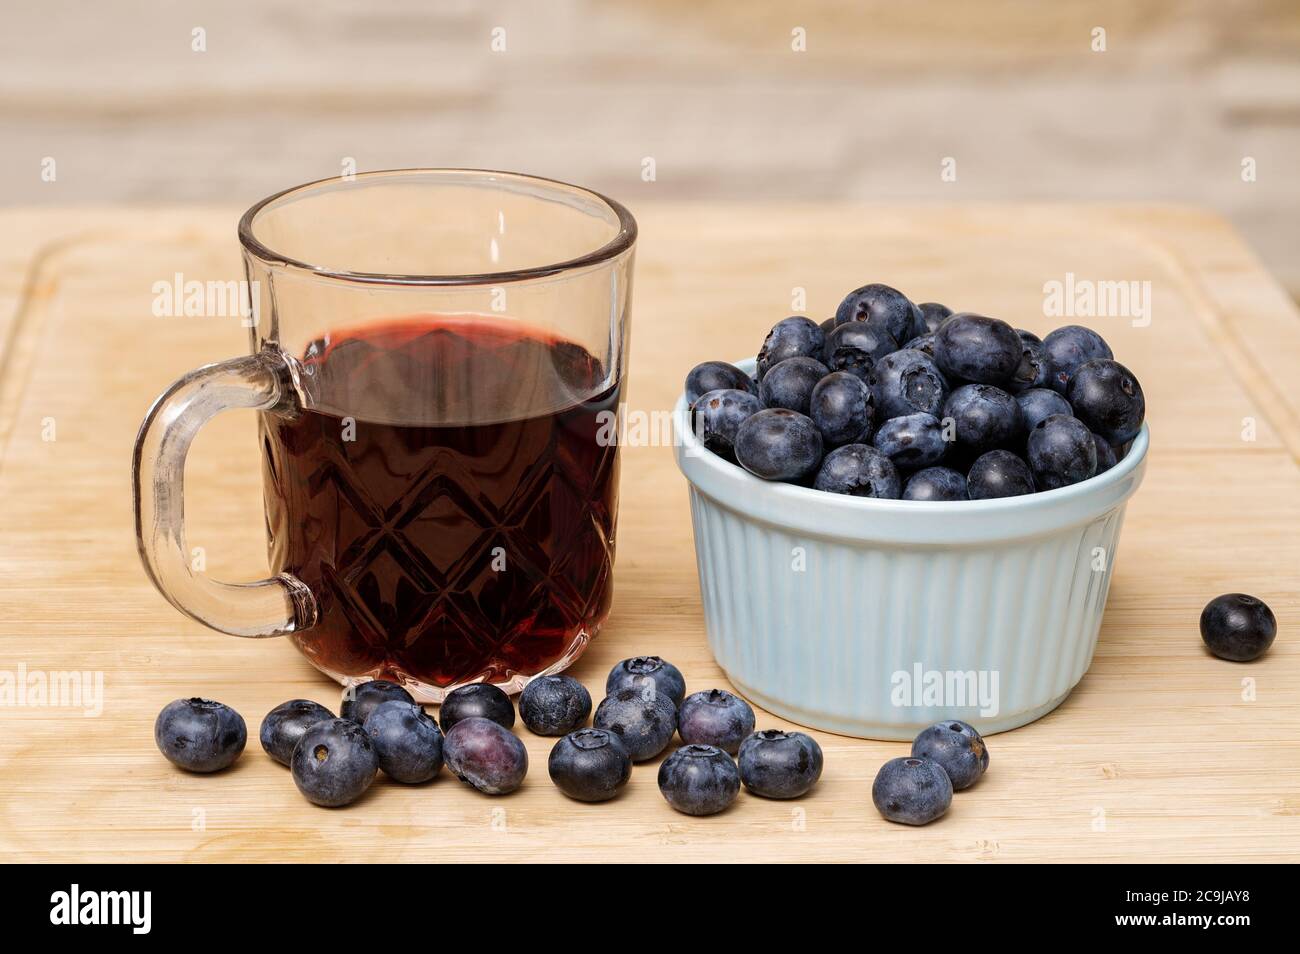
(720, 95)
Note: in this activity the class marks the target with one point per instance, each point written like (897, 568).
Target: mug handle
(272, 607)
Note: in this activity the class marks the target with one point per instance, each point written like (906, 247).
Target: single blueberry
(647, 673)
(859, 470)
(699, 780)
(362, 699)
(407, 741)
(644, 721)
(882, 307)
(976, 348)
(777, 764)
(999, 473)
(911, 441)
(922, 343)
(480, 699)
(486, 755)
(1061, 452)
(856, 347)
(1106, 458)
(285, 724)
(906, 382)
(793, 337)
(1038, 404)
(790, 384)
(334, 763)
(911, 791)
(716, 376)
(200, 735)
(827, 326)
(590, 765)
(984, 417)
(717, 415)
(936, 483)
(1108, 399)
(1238, 627)
(554, 705)
(779, 444)
(957, 747)
(842, 408)
(1069, 347)
(1028, 336)
(715, 717)
(933, 315)
(1034, 369)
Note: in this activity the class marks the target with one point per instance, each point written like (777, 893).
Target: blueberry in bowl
(912, 441)
(977, 349)
(790, 384)
(716, 417)
(793, 337)
(779, 444)
(856, 347)
(882, 307)
(907, 382)
(716, 376)
(842, 408)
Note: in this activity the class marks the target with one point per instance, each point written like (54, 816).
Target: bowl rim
(696, 461)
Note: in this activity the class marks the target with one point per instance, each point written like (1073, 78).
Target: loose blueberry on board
(906, 382)
(911, 791)
(842, 408)
(407, 741)
(717, 415)
(1035, 367)
(644, 722)
(699, 780)
(936, 483)
(715, 717)
(793, 337)
(957, 747)
(984, 417)
(334, 763)
(856, 347)
(716, 376)
(590, 765)
(1038, 404)
(644, 673)
(1238, 627)
(200, 735)
(554, 705)
(478, 699)
(777, 764)
(1106, 458)
(362, 699)
(1068, 348)
(1108, 399)
(285, 724)
(923, 343)
(859, 470)
(486, 755)
(911, 441)
(933, 315)
(790, 384)
(999, 473)
(1061, 452)
(779, 444)
(882, 307)
(976, 348)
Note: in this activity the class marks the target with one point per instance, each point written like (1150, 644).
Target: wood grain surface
(1162, 752)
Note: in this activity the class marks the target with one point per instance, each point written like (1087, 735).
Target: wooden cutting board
(1162, 752)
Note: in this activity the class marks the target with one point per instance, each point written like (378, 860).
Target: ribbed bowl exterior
(877, 618)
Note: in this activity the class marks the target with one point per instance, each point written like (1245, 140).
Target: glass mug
(437, 356)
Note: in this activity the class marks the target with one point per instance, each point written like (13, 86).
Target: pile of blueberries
(380, 727)
(892, 399)
(948, 756)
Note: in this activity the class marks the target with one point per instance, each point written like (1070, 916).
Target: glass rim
(622, 241)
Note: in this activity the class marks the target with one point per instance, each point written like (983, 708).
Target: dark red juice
(450, 498)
